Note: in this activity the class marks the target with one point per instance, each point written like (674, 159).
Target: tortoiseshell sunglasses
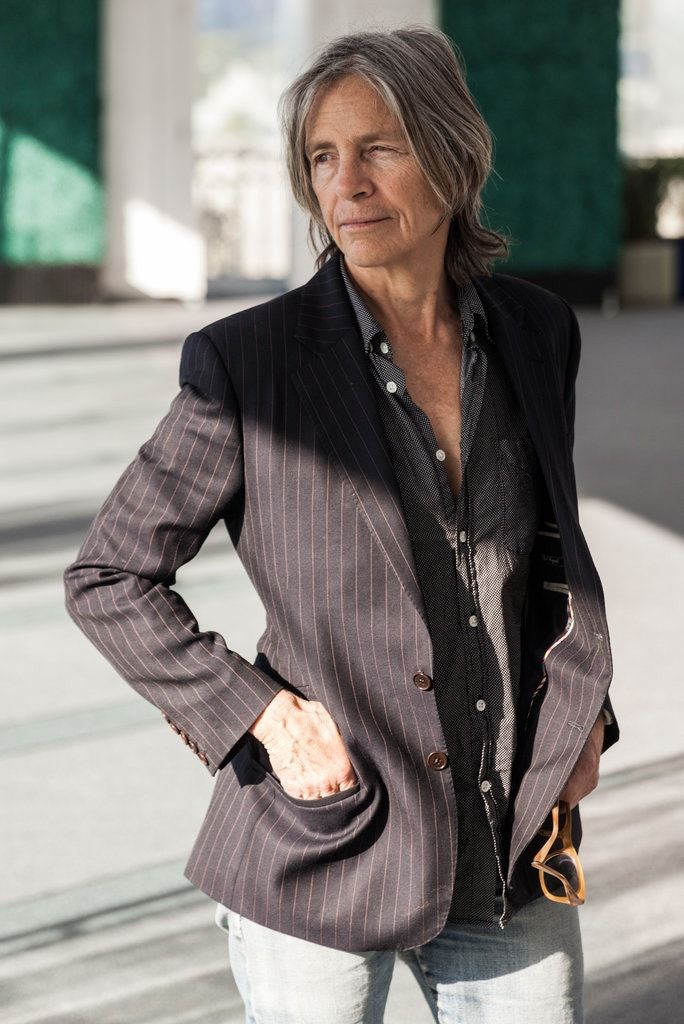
(560, 870)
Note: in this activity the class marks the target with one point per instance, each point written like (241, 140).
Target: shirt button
(440, 455)
(481, 704)
(462, 536)
(472, 336)
(422, 681)
(437, 760)
(473, 620)
(485, 785)
(384, 347)
(391, 386)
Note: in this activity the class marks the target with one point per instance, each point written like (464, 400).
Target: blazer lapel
(336, 387)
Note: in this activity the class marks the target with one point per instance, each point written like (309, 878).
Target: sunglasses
(560, 871)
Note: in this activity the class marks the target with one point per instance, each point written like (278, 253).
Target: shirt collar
(470, 307)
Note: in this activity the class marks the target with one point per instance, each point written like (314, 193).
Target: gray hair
(420, 75)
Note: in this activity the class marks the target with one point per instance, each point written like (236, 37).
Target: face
(374, 198)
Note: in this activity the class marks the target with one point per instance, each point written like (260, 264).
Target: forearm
(151, 638)
(273, 716)
(185, 478)
(611, 731)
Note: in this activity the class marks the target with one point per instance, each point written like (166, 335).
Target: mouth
(356, 224)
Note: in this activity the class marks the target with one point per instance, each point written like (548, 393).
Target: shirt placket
(473, 393)
(454, 516)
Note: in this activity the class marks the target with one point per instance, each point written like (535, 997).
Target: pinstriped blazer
(275, 430)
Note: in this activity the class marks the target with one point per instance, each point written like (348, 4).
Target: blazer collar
(325, 309)
(326, 313)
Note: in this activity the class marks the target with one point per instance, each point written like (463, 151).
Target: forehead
(349, 108)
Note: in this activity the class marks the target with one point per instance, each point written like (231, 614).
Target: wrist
(273, 715)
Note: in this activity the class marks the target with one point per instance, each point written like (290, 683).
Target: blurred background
(142, 196)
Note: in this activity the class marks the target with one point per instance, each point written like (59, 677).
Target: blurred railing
(243, 202)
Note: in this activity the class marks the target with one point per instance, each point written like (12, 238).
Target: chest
(434, 384)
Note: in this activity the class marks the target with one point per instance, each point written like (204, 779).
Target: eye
(320, 156)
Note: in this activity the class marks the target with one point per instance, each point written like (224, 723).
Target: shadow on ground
(648, 988)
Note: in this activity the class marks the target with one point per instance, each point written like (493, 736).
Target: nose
(352, 178)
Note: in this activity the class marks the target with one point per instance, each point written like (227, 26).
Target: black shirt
(472, 559)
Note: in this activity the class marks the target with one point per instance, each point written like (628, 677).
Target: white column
(154, 248)
(310, 24)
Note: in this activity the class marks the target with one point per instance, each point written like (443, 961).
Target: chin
(364, 255)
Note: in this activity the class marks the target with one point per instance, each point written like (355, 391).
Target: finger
(307, 788)
(571, 799)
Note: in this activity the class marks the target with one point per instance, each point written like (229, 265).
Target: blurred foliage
(51, 189)
(545, 77)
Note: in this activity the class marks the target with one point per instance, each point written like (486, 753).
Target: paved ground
(97, 923)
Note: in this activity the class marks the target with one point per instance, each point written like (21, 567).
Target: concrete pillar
(154, 248)
(311, 23)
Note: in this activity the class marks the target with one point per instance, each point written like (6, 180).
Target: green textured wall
(544, 75)
(51, 196)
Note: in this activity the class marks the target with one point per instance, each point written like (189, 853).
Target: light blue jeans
(530, 972)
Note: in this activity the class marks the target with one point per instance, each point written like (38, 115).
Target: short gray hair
(420, 75)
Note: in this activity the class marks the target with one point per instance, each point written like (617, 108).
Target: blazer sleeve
(571, 368)
(185, 477)
(612, 729)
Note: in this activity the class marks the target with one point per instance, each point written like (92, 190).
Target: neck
(421, 308)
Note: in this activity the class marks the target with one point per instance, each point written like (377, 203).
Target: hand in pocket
(305, 747)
